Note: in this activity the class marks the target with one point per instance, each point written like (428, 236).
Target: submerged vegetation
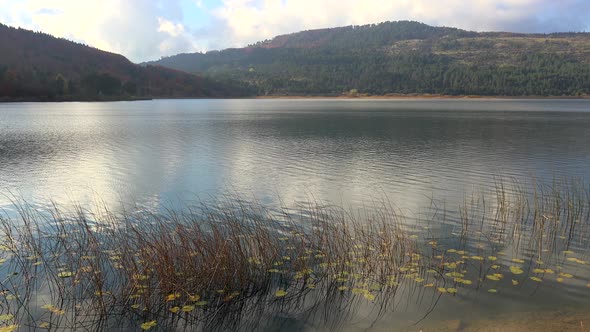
(243, 267)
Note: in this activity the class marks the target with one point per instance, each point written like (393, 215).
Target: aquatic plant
(232, 264)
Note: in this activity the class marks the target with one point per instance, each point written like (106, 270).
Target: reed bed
(239, 265)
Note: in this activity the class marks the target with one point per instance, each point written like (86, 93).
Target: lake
(350, 152)
(471, 262)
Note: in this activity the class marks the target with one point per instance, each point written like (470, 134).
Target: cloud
(252, 20)
(148, 29)
(140, 29)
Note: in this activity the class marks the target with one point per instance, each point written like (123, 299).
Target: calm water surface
(348, 152)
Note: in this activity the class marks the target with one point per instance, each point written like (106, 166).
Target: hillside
(37, 66)
(405, 58)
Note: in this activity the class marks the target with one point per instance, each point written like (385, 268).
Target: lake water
(352, 153)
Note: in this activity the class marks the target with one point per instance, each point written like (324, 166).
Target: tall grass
(238, 265)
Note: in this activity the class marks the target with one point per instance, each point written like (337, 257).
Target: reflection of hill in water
(242, 267)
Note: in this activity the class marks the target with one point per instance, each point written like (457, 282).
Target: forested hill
(37, 66)
(403, 57)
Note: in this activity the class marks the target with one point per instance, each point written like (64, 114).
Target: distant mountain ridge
(402, 58)
(37, 66)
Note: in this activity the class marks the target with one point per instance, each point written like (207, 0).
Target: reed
(234, 265)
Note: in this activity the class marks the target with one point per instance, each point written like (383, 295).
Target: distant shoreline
(422, 96)
(302, 97)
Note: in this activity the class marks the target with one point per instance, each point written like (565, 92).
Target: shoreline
(301, 97)
(426, 97)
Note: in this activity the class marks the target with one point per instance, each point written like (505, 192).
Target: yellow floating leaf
(492, 258)
(135, 306)
(9, 328)
(369, 296)
(311, 286)
(559, 279)
(172, 297)
(452, 290)
(516, 270)
(148, 325)
(566, 275)
(342, 288)
(477, 258)
(429, 285)
(194, 298)
(514, 282)
(492, 290)
(201, 303)
(493, 277)
(65, 274)
(419, 280)
(539, 271)
(442, 290)
(188, 308)
(568, 252)
(44, 325)
(7, 317)
(175, 309)
(452, 250)
(495, 267)
(549, 271)
(536, 279)
(280, 293)
(518, 260)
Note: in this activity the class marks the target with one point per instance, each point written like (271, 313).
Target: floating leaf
(419, 280)
(536, 279)
(495, 276)
(4, 318)
(194, 298)
(492, 258)
(135, 306)
(568, 252)
(342, 288)
(566, 275)
(280, 293)
(539, 271)
(148, 325)
(442, 290)
(549, 271)
(452, 290)
(514, 282)
(429, 285)
(44, 325)
(274, 271)
(201, 303)
(65, 274)
(174, 309)
(516, 270)
(188, 308)
(172, 297)
(9, 328)
(492, 290)
(477, 258)
(518, 260)
(369, 296)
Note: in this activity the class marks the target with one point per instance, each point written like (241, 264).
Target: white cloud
(147, 29)
(141, 30)
(252, 20)
(169, 27)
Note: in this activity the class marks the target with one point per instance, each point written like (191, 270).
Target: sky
(146, 30)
